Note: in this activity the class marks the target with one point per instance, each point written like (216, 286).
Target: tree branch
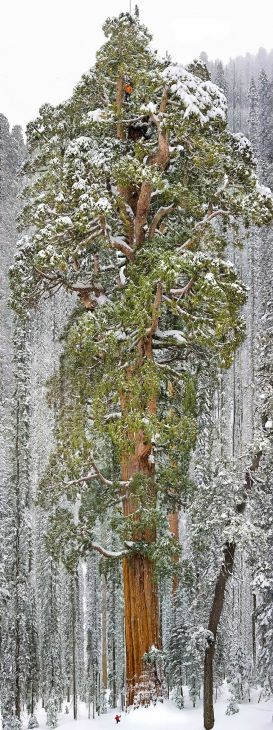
(119, 100)
(108, 553)
(155, 313)
(160, 214)
(45, 276)
(124, 247)
(85, 478)
(180, 293)
(162, 156)
(164, 100)
(97, 475)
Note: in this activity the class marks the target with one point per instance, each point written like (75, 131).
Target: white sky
(45, 45)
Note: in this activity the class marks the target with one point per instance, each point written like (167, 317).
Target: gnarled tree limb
(123, 247)
(159, 215)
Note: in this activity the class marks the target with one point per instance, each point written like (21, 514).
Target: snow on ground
(254, 716)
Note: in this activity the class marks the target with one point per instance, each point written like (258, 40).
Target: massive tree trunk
(141, 606)
(141, 630)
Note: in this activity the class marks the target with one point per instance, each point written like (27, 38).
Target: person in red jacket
(117, 718)
(128, 90)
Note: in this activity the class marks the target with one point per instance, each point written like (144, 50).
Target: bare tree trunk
(17, 576)
(74, 621)
(254, 598)
(214, 619)
(104, 633)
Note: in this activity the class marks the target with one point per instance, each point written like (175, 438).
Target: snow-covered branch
(120, 245)
(96, 474)
(108, 553)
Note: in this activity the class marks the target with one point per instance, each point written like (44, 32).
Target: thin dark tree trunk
(32, 706)
(74, 671)
(94, 693)
(218, 599)
(254, 598)
(104, 634)
(214, 619)
(17, 575)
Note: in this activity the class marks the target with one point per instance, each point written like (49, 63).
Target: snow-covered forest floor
(253, 716)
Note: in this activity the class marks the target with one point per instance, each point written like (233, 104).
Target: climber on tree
(128, 90)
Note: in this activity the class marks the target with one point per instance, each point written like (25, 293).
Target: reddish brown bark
(86, 300)
(141, 606)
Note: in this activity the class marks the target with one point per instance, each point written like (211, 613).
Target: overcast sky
(45, 45)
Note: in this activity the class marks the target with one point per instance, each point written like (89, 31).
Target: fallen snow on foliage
(200, 98)
(96, 115)
(263, 190)
(251, 717)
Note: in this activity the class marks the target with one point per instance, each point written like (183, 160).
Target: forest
(136, 398)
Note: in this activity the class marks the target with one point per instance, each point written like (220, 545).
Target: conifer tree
(265, 95)
(262, 557)
(219, 77)
(253, 119)
(134, 183)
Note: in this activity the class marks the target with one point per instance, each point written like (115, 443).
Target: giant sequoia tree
(134, 187)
